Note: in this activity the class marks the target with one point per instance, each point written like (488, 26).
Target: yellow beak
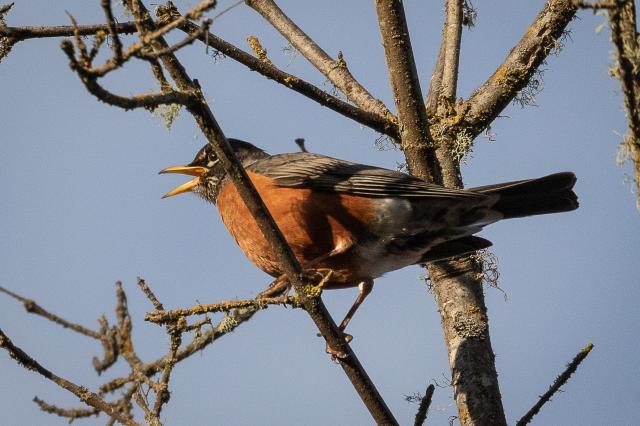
(185, 170)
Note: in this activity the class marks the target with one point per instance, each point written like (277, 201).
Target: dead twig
(86, 396)
(557, 384)
(32, 307)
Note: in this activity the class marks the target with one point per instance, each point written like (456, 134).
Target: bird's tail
(548, 194)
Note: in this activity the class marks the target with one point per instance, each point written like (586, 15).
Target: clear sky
(82, 209)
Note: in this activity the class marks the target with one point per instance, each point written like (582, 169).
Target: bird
(355, 222)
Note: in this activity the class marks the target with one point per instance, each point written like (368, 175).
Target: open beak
(185, 170)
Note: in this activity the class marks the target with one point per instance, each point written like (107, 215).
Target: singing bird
(357, 221)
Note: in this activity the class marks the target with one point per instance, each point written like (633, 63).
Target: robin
(358, 222)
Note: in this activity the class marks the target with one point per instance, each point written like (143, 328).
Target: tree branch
(32, 307)
(336, 71)
(540, 39)
(452, 37)
(86, 396)
(624, 34)
(416, 141)
(162, 316)
(383, 124)
(557, 384)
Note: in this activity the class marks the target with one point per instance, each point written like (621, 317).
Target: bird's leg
(365, 288)
(341, 246)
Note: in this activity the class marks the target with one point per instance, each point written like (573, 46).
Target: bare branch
(29, 32)
(557, 384)
(69, 413)
(457, 286)
(423, 409)
(82, 393)
(540, 39)
(624, 34)
(452, 35)
(336, 71)
(435, 86)
(149, 293)
(416, 141)
(382, 124)
(163, 317)
(185, 42)
(32, 307)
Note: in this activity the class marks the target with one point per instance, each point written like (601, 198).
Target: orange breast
(313, 223)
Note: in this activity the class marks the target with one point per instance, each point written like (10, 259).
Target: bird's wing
(321, 173)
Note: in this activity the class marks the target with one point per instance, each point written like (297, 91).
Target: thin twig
(557, 384)
(32, 307)
(423, 409)
(69, 413)
(149, 293)
(163, 317)
(82, 393)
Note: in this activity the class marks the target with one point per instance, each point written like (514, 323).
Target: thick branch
(82, 393)
(416, 141)
(336, 71)
(624, 34)
(541, 38)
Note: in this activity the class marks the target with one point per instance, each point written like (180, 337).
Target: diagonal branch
(383, 124)
(82, 393)
(557, 384)
(32, 307)
(540, 39)
(308, 296)
(336, 71)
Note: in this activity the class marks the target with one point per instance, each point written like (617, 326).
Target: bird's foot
(337, 353)
(280, 287)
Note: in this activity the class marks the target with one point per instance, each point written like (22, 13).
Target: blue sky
(82, 209)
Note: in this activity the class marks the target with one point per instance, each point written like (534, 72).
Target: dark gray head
(208, 170)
